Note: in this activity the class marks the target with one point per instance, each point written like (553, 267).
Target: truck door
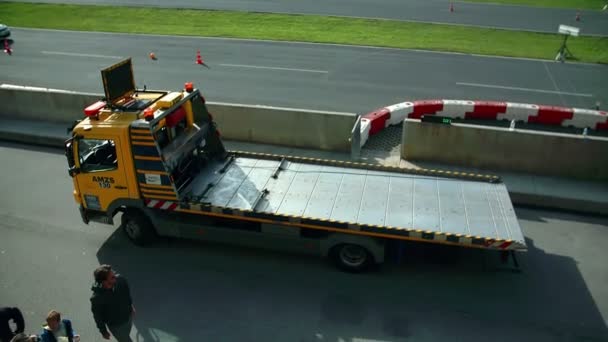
(101, 177)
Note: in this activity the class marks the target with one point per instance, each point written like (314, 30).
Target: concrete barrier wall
(46, 105)
(501, 149)
(284, 126)
(258, 124)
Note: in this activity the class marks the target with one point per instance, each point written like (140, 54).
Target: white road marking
(20, 87)
(274, 68)
(78, 54)
(554, 84)
(523, 89)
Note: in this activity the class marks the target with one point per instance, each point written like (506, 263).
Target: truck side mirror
(69, 154)
(73, 171)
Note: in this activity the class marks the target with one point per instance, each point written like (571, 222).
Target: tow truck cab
(117, 154)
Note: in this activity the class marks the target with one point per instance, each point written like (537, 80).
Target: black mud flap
(83, 215)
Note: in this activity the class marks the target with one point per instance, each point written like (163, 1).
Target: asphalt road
(478, 14)
(313, 76)
(190, 291)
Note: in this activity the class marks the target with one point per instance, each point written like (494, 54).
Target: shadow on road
(539, 214)
(194, 291)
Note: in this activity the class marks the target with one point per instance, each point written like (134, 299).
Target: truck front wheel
(138, 227)
(351, 257)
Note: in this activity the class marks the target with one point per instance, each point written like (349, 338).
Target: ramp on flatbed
(428, 205)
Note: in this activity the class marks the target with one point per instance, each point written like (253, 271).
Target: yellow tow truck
(157, 158)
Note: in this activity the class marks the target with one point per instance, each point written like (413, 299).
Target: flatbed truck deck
(359, 199)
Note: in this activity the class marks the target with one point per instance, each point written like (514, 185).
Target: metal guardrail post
(355, 140)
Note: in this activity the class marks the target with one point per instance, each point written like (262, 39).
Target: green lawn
(300, 28)
(575, 4)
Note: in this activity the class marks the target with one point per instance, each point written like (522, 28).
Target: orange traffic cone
(152, 56)
(451, 6)
(578, 16)
(199, 59)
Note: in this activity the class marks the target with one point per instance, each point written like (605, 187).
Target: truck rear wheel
(351, 257)
(138, 227)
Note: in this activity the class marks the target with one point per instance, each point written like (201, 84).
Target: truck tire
(138, 227)
(351, 257)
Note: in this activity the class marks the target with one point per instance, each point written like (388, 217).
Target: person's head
(105, 276)
(53, 319)
(24, 338)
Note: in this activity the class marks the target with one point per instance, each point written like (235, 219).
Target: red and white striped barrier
(399, 112)
(456, 108)
(377, 120)
(426, 107)
(519, 112)
(588, 118)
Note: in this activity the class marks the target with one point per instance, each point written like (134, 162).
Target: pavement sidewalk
(524, 189)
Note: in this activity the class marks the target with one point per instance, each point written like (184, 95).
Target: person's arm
(97, 308)
(18, 319)
(129, 298)
(128, 292)
(44, 337)
(70, 331)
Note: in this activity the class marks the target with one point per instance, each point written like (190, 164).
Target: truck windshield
(97, 155)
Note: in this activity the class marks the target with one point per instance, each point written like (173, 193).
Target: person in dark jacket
(111, 304)
(7, 314)
(58, 330)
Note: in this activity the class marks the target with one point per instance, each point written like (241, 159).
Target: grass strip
(574, 4)
(305, 28)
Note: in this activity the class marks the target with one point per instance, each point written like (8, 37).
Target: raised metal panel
(225, 189)
(278, 188)
(207, 175)
(251, 188)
